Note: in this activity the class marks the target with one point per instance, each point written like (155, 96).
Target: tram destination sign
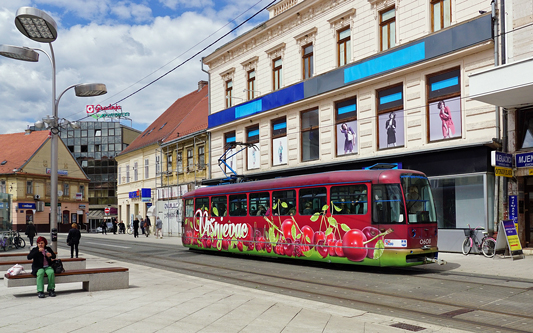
(524, 160)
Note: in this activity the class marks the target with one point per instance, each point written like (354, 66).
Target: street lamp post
(40, 27)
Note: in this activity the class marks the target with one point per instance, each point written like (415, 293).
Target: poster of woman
(347, 138)
(391, 129)
(445, 119)
(279, 151)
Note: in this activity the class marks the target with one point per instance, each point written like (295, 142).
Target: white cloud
(109, 52)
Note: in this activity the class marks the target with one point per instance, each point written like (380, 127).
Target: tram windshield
(418, 199)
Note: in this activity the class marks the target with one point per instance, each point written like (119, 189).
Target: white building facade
(343, 85)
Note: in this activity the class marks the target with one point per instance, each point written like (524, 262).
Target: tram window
(259, 203)
(237, 205)
(284, 202)
(312, 200)
(189, 208)
(350, 199)
(201, 203)
(387, 204)
(218, 206)
(418, 199)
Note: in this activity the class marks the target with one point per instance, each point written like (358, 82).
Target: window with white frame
(82, 191)
(201, 157)
(169, 162)
(66, 189)
(120, 175)
(277, 73)
(3, 186)
(135, 171)
(29, 187)
(127, 173)
(157, 165)
(309, 135)
(190, 160)
(146, 168)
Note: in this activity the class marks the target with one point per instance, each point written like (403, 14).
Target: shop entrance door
(528, 210)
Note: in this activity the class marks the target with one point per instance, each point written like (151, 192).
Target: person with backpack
(147, 225)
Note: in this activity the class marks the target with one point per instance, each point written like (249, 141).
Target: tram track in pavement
(392, 301)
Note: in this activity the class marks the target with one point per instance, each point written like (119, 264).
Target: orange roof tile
(185, 114)
(17, 149)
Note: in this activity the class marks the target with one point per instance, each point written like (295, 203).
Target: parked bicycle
(487, 245)
(18, 241)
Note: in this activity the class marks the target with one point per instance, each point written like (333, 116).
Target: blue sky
(124, 44)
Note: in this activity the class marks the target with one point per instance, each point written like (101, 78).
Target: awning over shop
(507, 86)
(98, 215)
(151, 211)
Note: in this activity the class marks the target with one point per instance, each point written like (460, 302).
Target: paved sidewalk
(162, 301)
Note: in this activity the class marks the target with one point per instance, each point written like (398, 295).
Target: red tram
(364, 217)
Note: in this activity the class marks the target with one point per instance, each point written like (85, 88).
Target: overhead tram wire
(153, 72)
(191, 57)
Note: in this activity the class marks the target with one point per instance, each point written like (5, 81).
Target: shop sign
(59, 172)
(512, 235)
(79, 196)
(1, 205)
(524, 160)
(504, 172)
(498, 159)
(26, 205)
(81, 206)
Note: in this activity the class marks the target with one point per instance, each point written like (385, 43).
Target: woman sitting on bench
(42, 256)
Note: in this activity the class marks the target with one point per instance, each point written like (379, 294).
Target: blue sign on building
(524, 160)
(26, 205)
(503, 160)
(513, 208)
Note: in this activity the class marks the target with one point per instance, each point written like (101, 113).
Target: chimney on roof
(28, 131)
(202, 84)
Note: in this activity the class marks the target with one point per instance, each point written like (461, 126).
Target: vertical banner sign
(513, 210)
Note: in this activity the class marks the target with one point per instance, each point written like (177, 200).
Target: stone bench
(68, 264)
(93, 279)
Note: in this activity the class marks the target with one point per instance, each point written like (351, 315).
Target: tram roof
(317, 179)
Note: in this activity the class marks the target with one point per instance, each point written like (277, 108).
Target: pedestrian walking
(31, 232)
(142, 225)
(122, 227)
(42, 256)
(104, 227)
(114, 220)
(147, 225)
(136, 228)
(73, 239)
(158, 228)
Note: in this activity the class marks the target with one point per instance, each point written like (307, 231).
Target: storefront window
(460, 200)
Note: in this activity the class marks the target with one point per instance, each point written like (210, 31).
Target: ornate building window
(441, 14)
(387, 26)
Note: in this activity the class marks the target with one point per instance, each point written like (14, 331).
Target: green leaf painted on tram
(325, 208)
(332, 221)
(293, 230)
(338, 209)
(298, 236)
(345, 227)
(307, 239)
(275, 206)
(215, 211)
(284, 204)
(271, 234)
(328, 231)
(314, 217)
(379, 249)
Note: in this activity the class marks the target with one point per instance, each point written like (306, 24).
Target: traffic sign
(107, 210)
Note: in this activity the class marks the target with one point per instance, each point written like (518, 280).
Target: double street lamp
(40, 27)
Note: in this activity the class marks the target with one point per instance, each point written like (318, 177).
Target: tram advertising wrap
(367, 217)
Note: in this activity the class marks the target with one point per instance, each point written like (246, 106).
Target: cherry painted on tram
(364, 217)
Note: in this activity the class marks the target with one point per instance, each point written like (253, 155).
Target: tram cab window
(284, 202)
(350, 199)
(387, 204)
(418, 199)
(237, 205)
(259, 202)
(311, 200)
(201, 203)
(189, 208)
(218, 206)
